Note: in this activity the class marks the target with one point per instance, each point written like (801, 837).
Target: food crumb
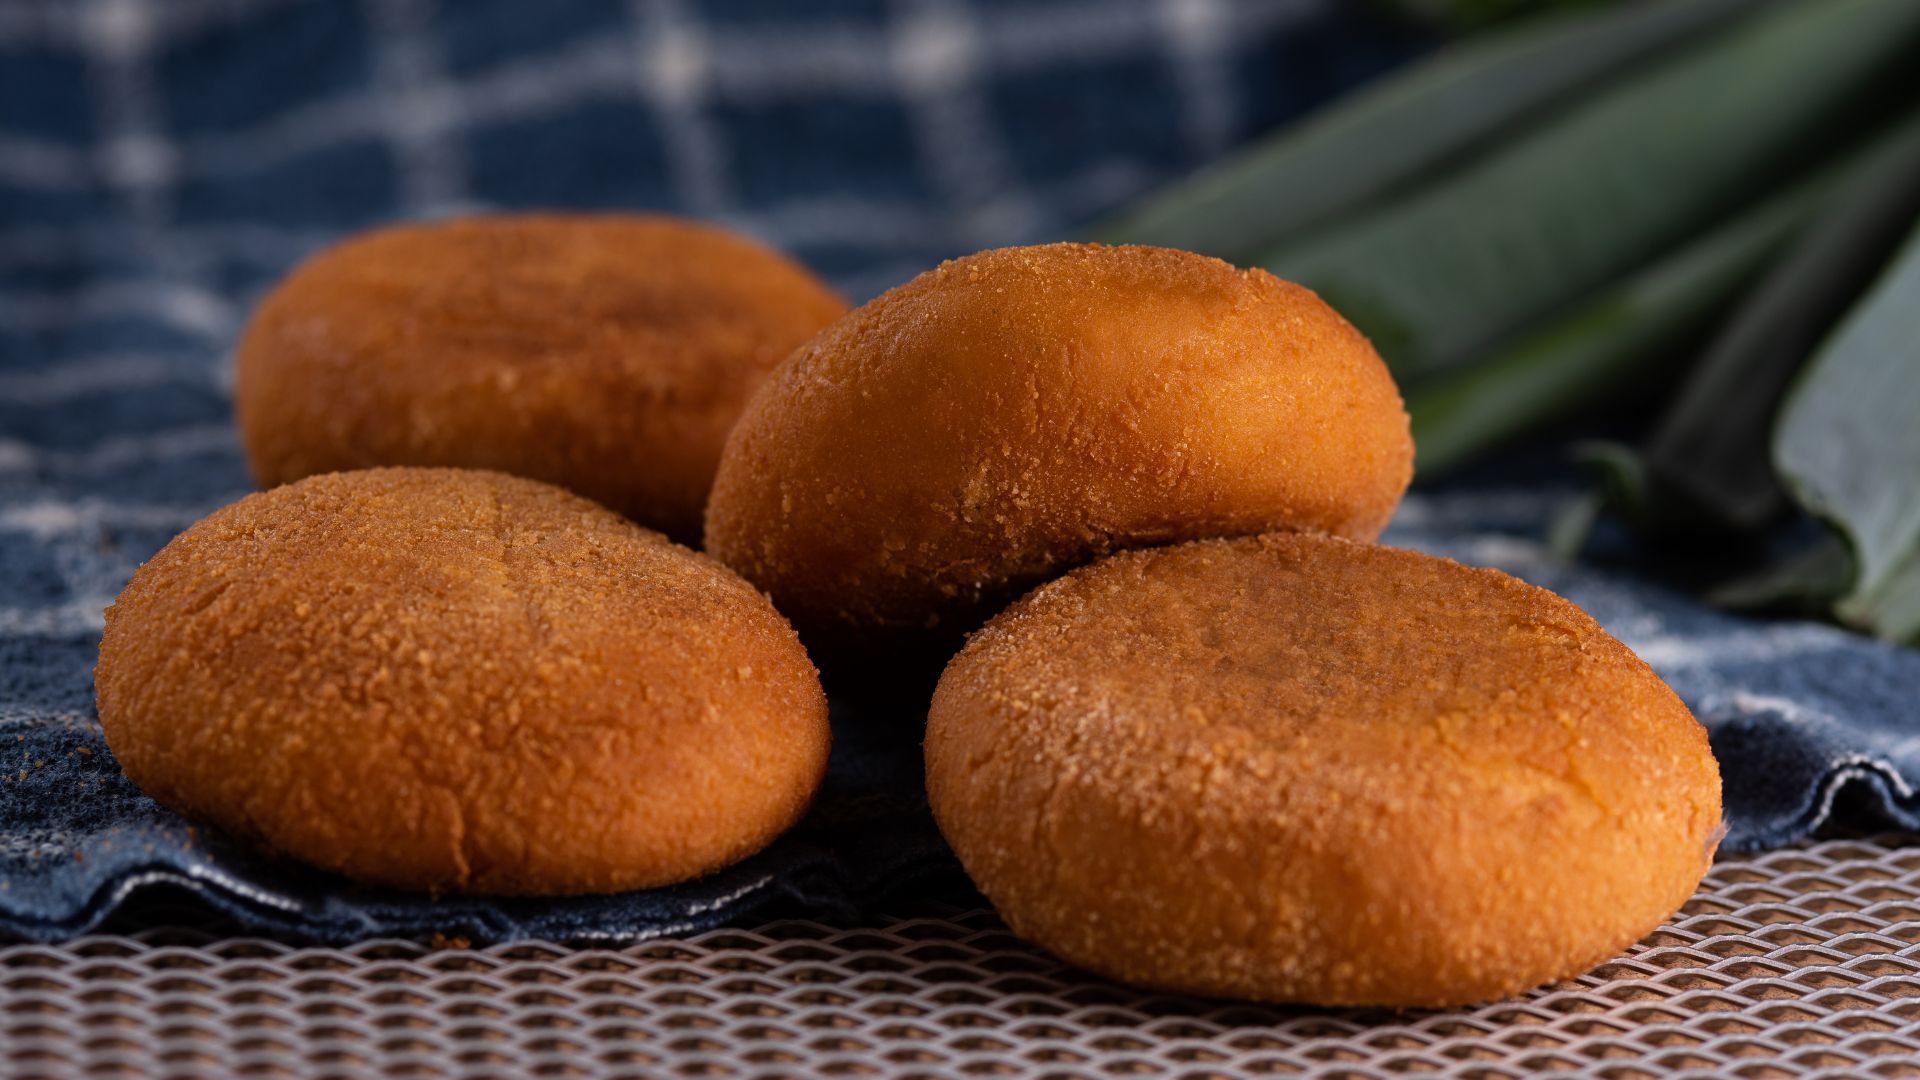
(442, 941)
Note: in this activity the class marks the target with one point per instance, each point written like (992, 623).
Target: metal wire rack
(1802, 962)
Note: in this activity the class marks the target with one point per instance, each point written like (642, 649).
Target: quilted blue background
(162, 161)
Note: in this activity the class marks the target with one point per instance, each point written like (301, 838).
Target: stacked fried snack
(1210, 738)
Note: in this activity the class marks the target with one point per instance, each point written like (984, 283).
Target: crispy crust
(461, 681)
(1017, 412)
(609, 354)
(1296, 768)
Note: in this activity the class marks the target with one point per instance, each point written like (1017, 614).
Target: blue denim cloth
(162, 161)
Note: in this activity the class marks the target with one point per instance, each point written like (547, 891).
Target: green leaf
(1571, 524)
(1538, 222)
(1854, 218)
(1708, 460)
(1892, 608)
(1402, 129)
(1804, 584)
(1848, 446)
(1604, 347)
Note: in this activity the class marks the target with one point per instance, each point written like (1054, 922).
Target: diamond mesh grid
(1803, 962)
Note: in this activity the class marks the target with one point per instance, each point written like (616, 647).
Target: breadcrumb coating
(1017, 412)
(460, 681)
(1301, 769)
(609, 354)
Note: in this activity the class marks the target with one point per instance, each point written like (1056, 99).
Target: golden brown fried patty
(453, 680)
(609, 354)
(1017, 412)
(1296, 768)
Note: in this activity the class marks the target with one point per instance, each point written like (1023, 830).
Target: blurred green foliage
(1688, 204)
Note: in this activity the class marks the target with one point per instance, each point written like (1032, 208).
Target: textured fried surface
(1019, 411)
(609, 354)
(456, 680)
(1297, 768)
